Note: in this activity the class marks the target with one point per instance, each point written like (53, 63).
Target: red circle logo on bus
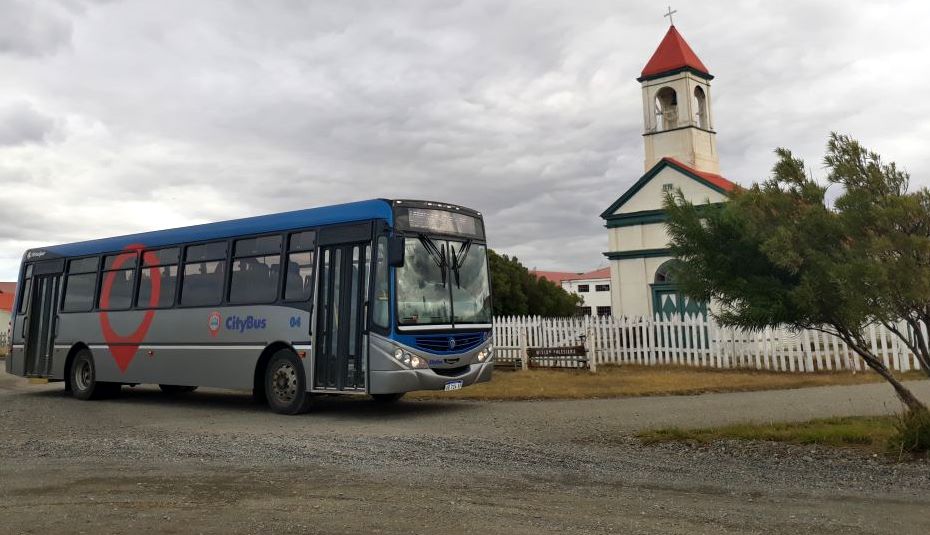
(214, 323)
(124, 348)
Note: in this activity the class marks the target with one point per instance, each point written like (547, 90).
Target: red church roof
(673, 54)
(713, 178)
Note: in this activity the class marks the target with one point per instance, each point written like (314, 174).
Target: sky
(122, 116)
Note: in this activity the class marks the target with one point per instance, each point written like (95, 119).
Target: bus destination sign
(441, 221)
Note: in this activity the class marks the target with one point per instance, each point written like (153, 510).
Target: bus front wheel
(285, 385)
(84, 383)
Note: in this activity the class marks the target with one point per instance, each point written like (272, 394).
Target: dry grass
(900, 436)
(871, 433)
(626, 381)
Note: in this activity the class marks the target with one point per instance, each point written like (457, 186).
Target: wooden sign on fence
(549, 356)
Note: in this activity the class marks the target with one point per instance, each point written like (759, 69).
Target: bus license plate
(454, 385)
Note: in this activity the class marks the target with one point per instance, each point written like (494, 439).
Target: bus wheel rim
(82, 377)
(284, 383)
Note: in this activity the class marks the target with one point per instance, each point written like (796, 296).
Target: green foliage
(912, 433)
(519, 292)
(779, 254)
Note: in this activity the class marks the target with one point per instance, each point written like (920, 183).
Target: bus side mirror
(395, 252)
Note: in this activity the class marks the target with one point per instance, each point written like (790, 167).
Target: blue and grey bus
(377, 297)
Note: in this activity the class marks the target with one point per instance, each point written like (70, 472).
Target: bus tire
(177, 389)
(84, 383)
(387, 398)
(285, 385)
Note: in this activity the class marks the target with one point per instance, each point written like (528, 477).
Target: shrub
(912, 433)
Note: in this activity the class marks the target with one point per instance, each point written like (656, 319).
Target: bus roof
(309, 217)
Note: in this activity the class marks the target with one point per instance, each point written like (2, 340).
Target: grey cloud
(21, 123)
(179, 112)
(30, 28)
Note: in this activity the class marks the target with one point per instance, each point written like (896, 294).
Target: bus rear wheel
(177, 389)
(84, 383)
(285, 385)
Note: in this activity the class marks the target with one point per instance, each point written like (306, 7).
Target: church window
(601, 287)
(666, 109)
(583, 288)
(700, 108)
(603, 311)
(664, 275)
(667, 187)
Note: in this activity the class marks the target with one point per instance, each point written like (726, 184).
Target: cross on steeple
(669, 15)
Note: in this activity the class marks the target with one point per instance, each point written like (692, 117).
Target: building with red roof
(7, 296)
(680, 149)
(592, 286)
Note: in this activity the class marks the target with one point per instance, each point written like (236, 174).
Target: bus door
(341, 339)
(41, 321)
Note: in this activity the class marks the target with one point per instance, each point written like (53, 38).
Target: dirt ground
(213, 462)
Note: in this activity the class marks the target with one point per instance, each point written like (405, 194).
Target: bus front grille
(449, 343)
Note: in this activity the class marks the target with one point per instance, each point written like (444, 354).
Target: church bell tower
(676, 107)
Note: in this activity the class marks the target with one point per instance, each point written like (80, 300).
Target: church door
(668, 303)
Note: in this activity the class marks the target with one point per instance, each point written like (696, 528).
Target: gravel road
(213, 462)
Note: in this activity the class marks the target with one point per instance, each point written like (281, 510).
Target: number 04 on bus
(375, 297)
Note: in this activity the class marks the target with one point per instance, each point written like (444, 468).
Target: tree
(778, 254)
(518, 292)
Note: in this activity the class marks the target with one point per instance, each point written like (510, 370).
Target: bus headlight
(408, 360)
(485, 354)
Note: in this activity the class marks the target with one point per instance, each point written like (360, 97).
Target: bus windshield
(443, 282)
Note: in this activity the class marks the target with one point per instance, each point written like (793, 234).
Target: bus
(378, 297)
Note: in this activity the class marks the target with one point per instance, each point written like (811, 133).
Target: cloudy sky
(123, 116)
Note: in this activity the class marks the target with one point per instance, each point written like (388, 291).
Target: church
(680, 152)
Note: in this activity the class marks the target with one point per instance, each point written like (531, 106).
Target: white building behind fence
(593, 287)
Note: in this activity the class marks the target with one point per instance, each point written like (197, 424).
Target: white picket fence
(693, 342)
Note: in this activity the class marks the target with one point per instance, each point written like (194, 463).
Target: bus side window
(255, 270)
(24, 292)
(203, 280)
(80, 284)
(162, 264)
(119, 273)
(298, 283)
(381, 307)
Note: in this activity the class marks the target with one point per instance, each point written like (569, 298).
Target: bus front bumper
(395, 381)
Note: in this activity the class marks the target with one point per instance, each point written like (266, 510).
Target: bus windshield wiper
(459, 260)
(438, 256)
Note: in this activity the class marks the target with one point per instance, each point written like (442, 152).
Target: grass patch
(912, 433)
(629, 381)
(872, 433)
(899, 435)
